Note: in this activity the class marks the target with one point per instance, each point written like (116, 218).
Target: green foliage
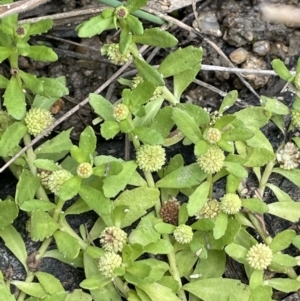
(153, 264)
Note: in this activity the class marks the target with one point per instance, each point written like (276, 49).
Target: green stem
(265, 177)
(122, 288)
(138, 13)
(210, 180)
(169, 96)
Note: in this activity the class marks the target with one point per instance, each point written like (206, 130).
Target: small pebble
(261, 48)
(239, 55)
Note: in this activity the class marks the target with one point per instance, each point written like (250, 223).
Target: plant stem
(265, 177)
(169, 96)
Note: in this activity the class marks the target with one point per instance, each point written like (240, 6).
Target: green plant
(145, 190)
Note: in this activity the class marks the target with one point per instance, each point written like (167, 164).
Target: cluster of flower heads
(37, 120)
(289, 156)
(212, 161)
(112, 239)
(150, 157)
(259, 256)
(116, 56)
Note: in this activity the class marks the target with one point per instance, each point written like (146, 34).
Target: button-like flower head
(121, 112)
(259, 256)
(211, 209)
(108, 262)
(169, 211)
(289, 156)
(85, 170)
(113, 239)
(212, 135)
(57, 178)
(118, 58)
(231, 203)
(212, 161)
(183, 234)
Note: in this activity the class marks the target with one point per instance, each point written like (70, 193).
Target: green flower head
(212, 161)
(113, 239)
(37, 120)
(57, 178)
(121, 112)
(231, 203)
(151, 157)
(121, 12)
(211, 209)
(296, 118)
(259, 256)
(85, 170)
(115, 56)
(108, 262)
(183, 234)
(212, 135)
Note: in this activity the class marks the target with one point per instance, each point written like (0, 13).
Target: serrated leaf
(42, 53)
(112, 185)
(254, 116)
(95, 200)
(87, 141)
(102, 106)
(26, 187)
(69, 188)
(125, 39)
(32, 205)
(31, 289)
(282, 240)
(280, 68)
(155, 37)
(187, 125)
(78, 295)
(163, 122)
(14, 99)
(67, 245)
(42, 225)
(56, 148)
(31, 82)
(183, 177)
(149, 72)
(286, 210)
(255, 205)
(50, 284)
(220, 225)
(198, 198)
(274, 105)
(54, 87)
(229, 100)
(136, 205)
(180, 61)
(259, 157)
(5, 52)
(218, 289)
(15, 243)
(94, 26)
(109, 129)
(9, 211)
(148, 136)
(11, 138)
(134, 25)
(3, 82)
(39, 27)
(45, 164)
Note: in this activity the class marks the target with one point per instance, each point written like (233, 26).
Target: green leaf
(259, 157)
(5, 52)
(109, 129)
(32, 205)
(259, 139)
(39, 27)
(286, 210)
(102, 106)
(180, 61)
(5, 291)
(9, 211)
(3, 82)
(26, 187)
(14, 99)
(55, 148)
(136, 204)
(280, 195)
(236, 251)
(218, 289)
(187, 125)
(31, 82)
(45, 164)
(237, 134)
(283, 261)
(158, 292)
(67, 245)
(54, 87)
(78, 295)
(183, 177)
(220, 225)
(15, 244)
(228, 101)
(133, 5)
(95, 200)
(112, 185)
(283, 285)
(274, 105)
(42, 53)
(148, 136)
(134, 25)
(50, 284)
(236, 169)
(163, 122)
(125, 39)
(199, 115)
(293, 175)
(94, 282)
(94, 26)
(149, 72)
(69, 188)
(155, 37)
(254, 116)
(282, 240)
(255, 205)
(198, 198)
(88, 141)
(42, 225)
(31, 289)
(280, 68)
(11, 137)
(160, 247)
(164, 228)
